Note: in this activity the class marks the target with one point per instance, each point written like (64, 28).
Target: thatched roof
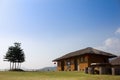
(115, 61)
(87, 50)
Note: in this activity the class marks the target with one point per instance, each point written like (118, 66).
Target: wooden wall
(82, 62)
(97, 59)
(59, 66)
(82, 66)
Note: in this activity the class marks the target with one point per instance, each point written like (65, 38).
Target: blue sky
(48, 29)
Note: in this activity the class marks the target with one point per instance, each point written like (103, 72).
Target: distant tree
(15, 55)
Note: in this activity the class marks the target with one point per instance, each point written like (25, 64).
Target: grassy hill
(54, 76)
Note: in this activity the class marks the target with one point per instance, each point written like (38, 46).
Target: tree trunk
(18, 66)
(10, 65)
(15, 65)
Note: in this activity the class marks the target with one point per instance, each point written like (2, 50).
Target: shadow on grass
(18, 70)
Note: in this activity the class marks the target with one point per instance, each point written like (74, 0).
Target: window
(81, 59)
(68, 63)
(86, 59)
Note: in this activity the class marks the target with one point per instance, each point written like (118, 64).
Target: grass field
(54, 76)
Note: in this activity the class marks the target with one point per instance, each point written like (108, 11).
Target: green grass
(54, 76)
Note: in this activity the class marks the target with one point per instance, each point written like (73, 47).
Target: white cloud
(112, 44)
(117, 31)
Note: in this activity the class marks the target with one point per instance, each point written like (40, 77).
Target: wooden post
(91, 70)
(102, 70)
(86, 70)
(113, 71)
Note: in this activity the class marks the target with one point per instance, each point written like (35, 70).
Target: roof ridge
(86, 51)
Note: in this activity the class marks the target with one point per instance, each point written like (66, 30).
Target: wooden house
(81, 59)
(115, 65)
(115, 61)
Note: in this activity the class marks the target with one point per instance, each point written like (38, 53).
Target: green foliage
(15, 55)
